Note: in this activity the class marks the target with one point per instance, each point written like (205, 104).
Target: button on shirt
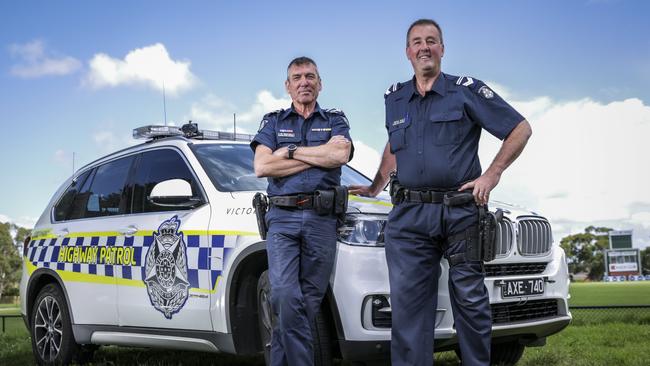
(435, 137)
(285, 127)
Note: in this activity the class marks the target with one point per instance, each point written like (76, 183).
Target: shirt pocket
(288, 140)
(446, 127)
(320, 137)
(397, 135)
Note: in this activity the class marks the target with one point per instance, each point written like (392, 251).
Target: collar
(290, 110)
(439, 86)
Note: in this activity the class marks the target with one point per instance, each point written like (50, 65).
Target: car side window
(62, 208)
(154, 167)
(102, 193)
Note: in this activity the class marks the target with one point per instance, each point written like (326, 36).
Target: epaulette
(393, 88)
(335, 111)
(465, 81)
(274, 113)
(339, 113)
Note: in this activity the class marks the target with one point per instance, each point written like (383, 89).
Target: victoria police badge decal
(166, 269)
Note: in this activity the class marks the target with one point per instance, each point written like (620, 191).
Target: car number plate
(518, 288)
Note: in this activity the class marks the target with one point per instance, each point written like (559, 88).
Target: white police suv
(156, 245)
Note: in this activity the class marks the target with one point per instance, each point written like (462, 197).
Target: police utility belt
(323, 202)
(480, 239)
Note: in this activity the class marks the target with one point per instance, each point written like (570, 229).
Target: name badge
(399, 122)
(324, 129)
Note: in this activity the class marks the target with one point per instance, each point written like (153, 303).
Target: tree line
(11, 245)
(585, 252)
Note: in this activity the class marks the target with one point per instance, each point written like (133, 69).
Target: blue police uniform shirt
(435, 137)
(284, 127)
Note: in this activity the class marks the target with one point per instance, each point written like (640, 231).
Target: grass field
(594, 338)
(610, 293)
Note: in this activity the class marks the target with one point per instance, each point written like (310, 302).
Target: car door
(169, 282)
(86, 222)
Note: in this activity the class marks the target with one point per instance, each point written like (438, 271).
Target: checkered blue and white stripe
(205, 256)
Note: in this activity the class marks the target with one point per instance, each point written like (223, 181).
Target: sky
(77, 76)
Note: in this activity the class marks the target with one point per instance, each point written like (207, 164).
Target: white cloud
(366, 159)
(214, 113)
(109, 141)
(24, 221)
(150, 66)
(35, 62)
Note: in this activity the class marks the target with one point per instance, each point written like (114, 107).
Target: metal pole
(164, 104)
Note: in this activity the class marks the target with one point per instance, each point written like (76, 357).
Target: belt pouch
(324, 202)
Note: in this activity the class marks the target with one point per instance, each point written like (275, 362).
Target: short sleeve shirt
(435, 137)
(286, 127)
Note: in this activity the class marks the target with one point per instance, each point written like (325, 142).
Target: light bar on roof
(153, 131)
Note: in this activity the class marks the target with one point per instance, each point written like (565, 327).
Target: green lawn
(600, 337)
(610, 293)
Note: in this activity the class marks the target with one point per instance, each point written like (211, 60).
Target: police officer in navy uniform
(300, 150)
(434, 122)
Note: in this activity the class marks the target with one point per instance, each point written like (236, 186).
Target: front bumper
(361, 273)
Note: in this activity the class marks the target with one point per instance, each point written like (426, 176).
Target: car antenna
(234, 126)
(164, 104)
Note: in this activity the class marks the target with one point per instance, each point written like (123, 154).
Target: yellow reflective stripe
(195, 232)
(85, 277)
(369, 200)
(30, 266)
(130, 282)
(233, 233)
(48, 236)
(89, 234)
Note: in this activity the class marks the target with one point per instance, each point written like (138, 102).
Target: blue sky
(578, 70)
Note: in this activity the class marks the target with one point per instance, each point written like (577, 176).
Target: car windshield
(230, 167)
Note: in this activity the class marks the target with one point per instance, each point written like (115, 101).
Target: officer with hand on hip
(301, 150)
(434, 122)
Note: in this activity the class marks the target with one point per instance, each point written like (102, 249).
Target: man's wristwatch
(292, 149)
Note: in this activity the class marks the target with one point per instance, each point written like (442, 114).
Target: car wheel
(265, 316)
(506, 354)
(50, 327)
(266, 321)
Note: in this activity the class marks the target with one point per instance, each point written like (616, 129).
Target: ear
(442, 54)
(286, 86)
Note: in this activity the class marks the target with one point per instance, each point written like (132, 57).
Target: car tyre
(50, 327)
(267, 320)
(506, 354)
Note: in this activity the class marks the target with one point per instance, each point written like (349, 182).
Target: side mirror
(173, 193)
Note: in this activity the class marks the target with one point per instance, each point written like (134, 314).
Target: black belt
(301, 201)
(424, 196)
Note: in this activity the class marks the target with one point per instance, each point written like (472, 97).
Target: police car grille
(534, 237)
(514, 269)
(504, 237)
(516, 311)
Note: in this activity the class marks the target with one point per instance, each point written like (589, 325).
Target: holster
(487, 223)
(481, 241)
(395, 189)
(261, 206)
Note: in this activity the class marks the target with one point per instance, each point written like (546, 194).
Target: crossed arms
(276, 164)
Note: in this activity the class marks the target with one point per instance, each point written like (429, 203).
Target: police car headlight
(362, 229)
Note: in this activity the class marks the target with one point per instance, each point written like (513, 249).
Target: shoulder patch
(339, 113)
(268, 116)
(486, 92)
(274, 113)
(393, 88)
(465, 81)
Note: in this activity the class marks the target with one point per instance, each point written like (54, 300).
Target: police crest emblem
(486, 92)
(166, 269)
